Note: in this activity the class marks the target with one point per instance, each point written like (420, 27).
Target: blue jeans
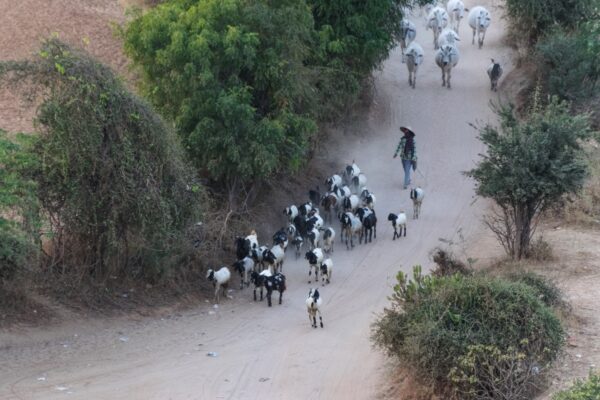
(407, 165)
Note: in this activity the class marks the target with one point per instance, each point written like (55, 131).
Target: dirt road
(274, 353)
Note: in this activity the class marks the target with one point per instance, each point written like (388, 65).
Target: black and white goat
(368, 198)
(315, 258)
(334, 180)
(305, 208)
(291, 212)
(369, 222)
(244, 267)
(258, 255)
(297, 241)
(494, 72)
(219, 279)
(351, 203)
(269, 282)
(244, 246)
(350, 172)
(313, 304)
(351, 226)
(313, 238)
(274, 258)
(398, 220)
(328, 239)
(326, 270)
(281, 237)
(417, 195)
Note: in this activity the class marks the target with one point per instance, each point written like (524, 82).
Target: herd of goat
(445, 23)
(349, 201)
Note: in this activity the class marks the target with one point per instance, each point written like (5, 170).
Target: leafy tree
(18, 207)
(353, 38)
(529, 166)
(231, 75)
(111, 178)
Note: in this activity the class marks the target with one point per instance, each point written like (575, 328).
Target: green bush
(570, 62)
(588, 389)
(111, 178)
(462, 333)
(546, 290)
(530, 19)
(18, 208)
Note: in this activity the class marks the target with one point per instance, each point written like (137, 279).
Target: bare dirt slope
(274, 353)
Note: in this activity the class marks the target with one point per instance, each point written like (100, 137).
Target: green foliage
(588, 389)
(446, 328)
(530, 164)
(111, 177)
(570, 62)
(532, 18)
(353, 38)
(231, 75)
(18, 207)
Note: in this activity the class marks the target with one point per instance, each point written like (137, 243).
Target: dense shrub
(546, 290)
(588, 389)
(18, 208)
(112, 181)
(570, 61)
(470, 335)
(530, 19)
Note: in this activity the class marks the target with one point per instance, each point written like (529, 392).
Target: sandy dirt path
(274, 353)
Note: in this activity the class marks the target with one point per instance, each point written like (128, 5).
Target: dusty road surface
(274, 353)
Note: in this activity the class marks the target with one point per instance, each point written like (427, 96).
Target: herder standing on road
(408, 153)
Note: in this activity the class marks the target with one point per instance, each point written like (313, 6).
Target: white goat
(219, 279)
(448, 36)
(368, 198)
(351, 203)
(313, 305)
(446, 58)
(456, 10)
(398, 220)
(417, 195)
(479, 20)
(315, 258)
(413, 58)
(494, 71)
(326, 270)
(334, 180)
(437, 20)
(253, 238)
(328, 239)
(408, 32)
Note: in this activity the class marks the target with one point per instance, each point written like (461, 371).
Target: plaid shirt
(400, 150)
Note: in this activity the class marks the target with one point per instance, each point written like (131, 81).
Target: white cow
(448, 36)
(479, 20)
(446, 58)
(456, 10)
(408, 32)
(437, 20)
(413, 58)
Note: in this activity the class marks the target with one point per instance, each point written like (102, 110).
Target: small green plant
(588, 389)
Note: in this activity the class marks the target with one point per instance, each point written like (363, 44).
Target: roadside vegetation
(473, 336)
(583, 389)
(117, 190)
